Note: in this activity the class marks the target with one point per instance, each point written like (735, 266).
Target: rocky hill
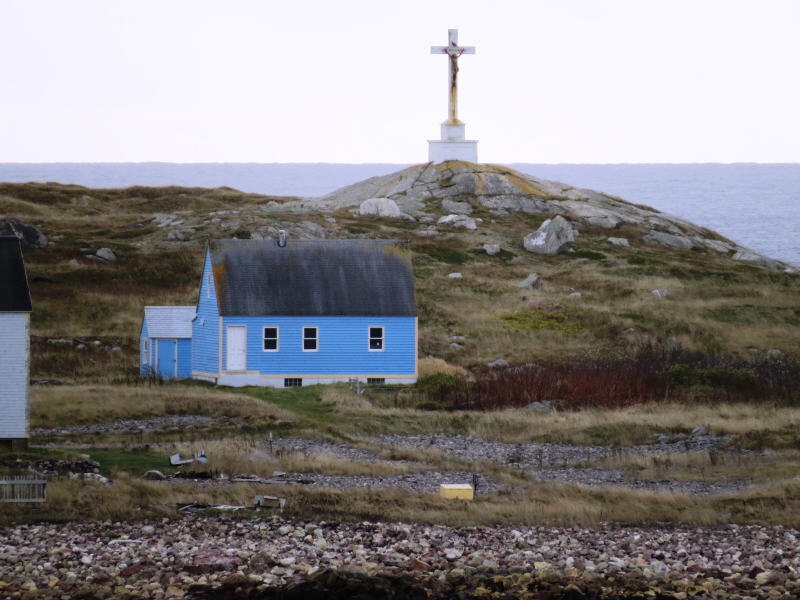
(508, 266)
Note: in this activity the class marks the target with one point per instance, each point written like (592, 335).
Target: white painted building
(15, 310)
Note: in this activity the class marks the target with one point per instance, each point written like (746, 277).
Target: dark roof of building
(312, 277)
(14, 293)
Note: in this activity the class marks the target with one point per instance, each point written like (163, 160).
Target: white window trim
(383, 338)
(208, 285)
(277, 337)
(303, 337)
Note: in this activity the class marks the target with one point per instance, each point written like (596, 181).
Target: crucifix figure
(453, 50)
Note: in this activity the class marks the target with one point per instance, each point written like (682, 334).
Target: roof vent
(282, 238)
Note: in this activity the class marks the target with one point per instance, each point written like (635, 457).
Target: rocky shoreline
(211, 557)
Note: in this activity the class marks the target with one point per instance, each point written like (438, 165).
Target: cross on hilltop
(454, 51)
(452, 145)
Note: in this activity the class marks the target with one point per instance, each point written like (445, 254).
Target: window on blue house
(271, 335)
(292, 382)
(375, 339)
(310, 339)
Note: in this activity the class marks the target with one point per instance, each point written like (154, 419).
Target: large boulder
(381, 207)
(553, 237)
(28, 235)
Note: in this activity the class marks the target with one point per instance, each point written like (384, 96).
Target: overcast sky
(354, 81)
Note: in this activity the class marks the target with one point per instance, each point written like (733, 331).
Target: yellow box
(463, 491)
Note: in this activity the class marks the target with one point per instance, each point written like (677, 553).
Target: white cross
(453, 50)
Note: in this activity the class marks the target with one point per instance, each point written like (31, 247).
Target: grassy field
(714, 304)
(338, 414)
(725, 337)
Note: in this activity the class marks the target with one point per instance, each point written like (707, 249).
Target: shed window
(271, 336)
(375, 339)
(310, 339)
(208, 285)
(145, 350)
(376, 380)
(292, 382)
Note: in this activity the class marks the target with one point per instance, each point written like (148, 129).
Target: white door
(237, 348)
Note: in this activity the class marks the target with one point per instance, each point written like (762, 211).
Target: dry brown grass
(82, 404)
(252, 456)
(540, 504)
(432, 366)
(754, 425)
(710, 466)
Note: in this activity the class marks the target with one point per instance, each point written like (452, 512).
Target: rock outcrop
(456, 189)
(382, 207)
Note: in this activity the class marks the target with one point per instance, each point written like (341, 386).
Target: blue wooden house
(301, 312)
(165, 341)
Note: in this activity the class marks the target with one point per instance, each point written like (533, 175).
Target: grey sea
(757, 205)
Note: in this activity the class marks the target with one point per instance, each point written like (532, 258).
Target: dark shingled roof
(312, 277)
(14, 293)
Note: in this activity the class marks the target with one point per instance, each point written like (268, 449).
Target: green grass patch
(502, 256)
(304, 402)
(136, 462)
(638, 259)
(588, 254)
(533, 320)
(751, 314)
(445, 254)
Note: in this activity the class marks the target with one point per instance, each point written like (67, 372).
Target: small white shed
(15, 310)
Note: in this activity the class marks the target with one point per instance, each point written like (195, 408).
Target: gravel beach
(196, 555)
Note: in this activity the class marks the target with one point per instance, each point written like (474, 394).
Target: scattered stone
(491, 249)
(381, 207)
(531, 282)
(698, 431)
(426, 233)
(618, 241)
(154, 475)
(677, 242)
(457, 346)
(497, 363)
(660, 293)
(455, 275)
(179, 235)
(166, 422)
(461, 221)
(28, 235)
(106, 254)
(574, 295)
(554, 236)
(61, 341)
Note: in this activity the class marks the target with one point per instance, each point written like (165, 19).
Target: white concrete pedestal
(453, 146)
